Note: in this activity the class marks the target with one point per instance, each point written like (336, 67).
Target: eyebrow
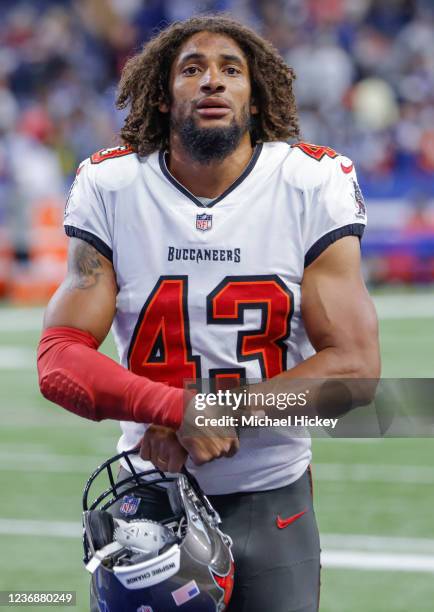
(200, 56)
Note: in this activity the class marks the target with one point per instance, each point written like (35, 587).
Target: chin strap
(102, 554)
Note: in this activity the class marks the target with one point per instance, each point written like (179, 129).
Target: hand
(161, 446)
(206, 443)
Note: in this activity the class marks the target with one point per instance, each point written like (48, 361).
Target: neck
(208, 180)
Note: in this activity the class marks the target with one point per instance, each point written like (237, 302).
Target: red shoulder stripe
(104, 154)
(315, 151)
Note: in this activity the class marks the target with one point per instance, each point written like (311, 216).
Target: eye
(232, 71)
(190, 70)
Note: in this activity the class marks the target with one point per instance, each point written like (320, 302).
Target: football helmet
(141, 565)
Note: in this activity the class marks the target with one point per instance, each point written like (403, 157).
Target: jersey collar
(247, 170)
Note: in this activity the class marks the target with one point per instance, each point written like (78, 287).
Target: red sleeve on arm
(73, 374)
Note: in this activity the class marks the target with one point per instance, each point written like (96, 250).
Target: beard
(205, 145)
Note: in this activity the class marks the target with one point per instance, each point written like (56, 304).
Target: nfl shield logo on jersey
(145, 609)
(203, 222)
(129, 505)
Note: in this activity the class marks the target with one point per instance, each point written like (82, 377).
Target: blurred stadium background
(366, 88)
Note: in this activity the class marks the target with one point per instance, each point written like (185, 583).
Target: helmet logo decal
(185, 593)
(130, 505)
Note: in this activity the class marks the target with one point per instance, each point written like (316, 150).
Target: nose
(211, 81)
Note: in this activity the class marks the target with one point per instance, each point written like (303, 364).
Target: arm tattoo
(85, 267)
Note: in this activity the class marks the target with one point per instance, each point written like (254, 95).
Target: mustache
(205, 145)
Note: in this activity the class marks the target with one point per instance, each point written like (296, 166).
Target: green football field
(374, 498)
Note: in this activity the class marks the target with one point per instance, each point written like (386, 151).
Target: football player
(217, 251)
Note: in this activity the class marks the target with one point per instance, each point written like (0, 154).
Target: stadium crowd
(365, 86)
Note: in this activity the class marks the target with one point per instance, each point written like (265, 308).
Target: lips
(213, 107)
(212, 103)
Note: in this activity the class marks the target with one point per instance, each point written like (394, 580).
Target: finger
(200, 457)
(200, 450)
(186, 442)
(157, 453)
(177, 456)
(219, 447)
(234, 448)
(162, 464)
(145, 449)
(198, 461)
(176, 461)
(160, 457)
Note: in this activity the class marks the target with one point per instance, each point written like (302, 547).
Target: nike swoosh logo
(282, 523)
(347, 169)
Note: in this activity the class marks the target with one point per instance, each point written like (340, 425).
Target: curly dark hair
(144, 84)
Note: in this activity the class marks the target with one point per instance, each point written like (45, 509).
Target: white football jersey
(213, 291)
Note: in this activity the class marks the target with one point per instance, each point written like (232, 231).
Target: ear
(254, 108)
